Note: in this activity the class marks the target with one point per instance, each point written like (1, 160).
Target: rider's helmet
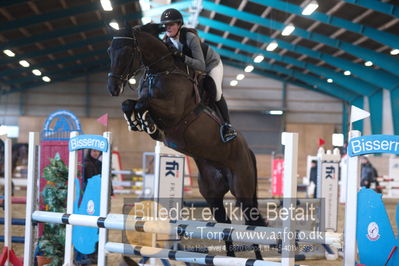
(172, 15)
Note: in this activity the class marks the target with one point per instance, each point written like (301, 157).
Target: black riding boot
(227, 132)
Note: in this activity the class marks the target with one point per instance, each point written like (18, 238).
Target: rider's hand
(179, 54)
(153, 28)
(160, 28)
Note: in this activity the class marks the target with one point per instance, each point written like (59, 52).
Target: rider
(200, 57)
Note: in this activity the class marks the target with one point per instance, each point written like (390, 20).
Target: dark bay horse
(167, 96)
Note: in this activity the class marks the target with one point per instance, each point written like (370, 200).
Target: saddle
(207, 90)
(204, 94)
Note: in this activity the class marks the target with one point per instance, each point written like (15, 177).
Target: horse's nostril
(112, 91)
(113, 87)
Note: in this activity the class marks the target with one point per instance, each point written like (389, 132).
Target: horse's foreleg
(128, 108)
(147, 122)
(138, 119)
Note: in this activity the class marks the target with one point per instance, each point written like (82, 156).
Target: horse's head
(133, 48)
(124, 54)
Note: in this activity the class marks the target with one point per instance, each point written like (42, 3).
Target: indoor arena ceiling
(346, 48)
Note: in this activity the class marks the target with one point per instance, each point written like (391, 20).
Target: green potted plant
(51, 243)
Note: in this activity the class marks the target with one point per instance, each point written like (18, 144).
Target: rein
(137, 51)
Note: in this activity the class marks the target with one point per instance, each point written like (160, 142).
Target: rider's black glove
(160, 28)
(179, 55)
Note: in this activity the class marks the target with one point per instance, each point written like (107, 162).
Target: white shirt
(177, 44)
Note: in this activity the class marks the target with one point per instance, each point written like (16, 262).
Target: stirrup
(227, 136)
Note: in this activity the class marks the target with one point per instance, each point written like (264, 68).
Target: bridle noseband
(136, 51)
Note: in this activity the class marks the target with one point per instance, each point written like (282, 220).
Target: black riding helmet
(172, 15)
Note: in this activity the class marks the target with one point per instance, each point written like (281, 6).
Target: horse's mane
(151, 28)
(152, 31)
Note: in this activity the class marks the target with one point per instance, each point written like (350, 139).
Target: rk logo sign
(171, 168)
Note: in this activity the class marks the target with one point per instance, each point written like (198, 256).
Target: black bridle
(126, 75)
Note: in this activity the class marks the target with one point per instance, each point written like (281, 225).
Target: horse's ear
(111, 31)
(153, 28)
(126, 25)
(125, 30)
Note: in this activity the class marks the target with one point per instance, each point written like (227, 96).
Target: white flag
(358, 114)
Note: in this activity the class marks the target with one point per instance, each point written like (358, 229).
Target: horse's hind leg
(213, 186)
(252, 217)
(243, 186)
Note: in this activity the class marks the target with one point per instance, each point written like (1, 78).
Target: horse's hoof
(132, 125)
(231, 254)
(266, 222)
(126, 261)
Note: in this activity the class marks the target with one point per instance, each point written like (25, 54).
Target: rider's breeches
(217, 75)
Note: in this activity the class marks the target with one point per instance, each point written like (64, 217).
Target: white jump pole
(33, 169)
(72, 174)
(153, 225)
(7, 194)
(188, 257)
(350, 247)
(290, 142)
(104, 203)
(105, 197)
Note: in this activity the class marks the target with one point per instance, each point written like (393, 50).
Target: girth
(175, 135)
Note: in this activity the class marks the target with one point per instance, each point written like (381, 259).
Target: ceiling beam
(377, 35)
(77, 72)
(330, 88)
(376, 77)
(379, 6)
(350, 83)
(156, 11)
(384, 61)
(331, 11)
(232, 63)
(5, 3)
(76, 29)
(233, 20)
(64, 77)
(73, 11)
(56, 49)
(53, 64)
(63, 32)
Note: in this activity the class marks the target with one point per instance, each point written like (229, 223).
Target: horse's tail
(255, 196)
